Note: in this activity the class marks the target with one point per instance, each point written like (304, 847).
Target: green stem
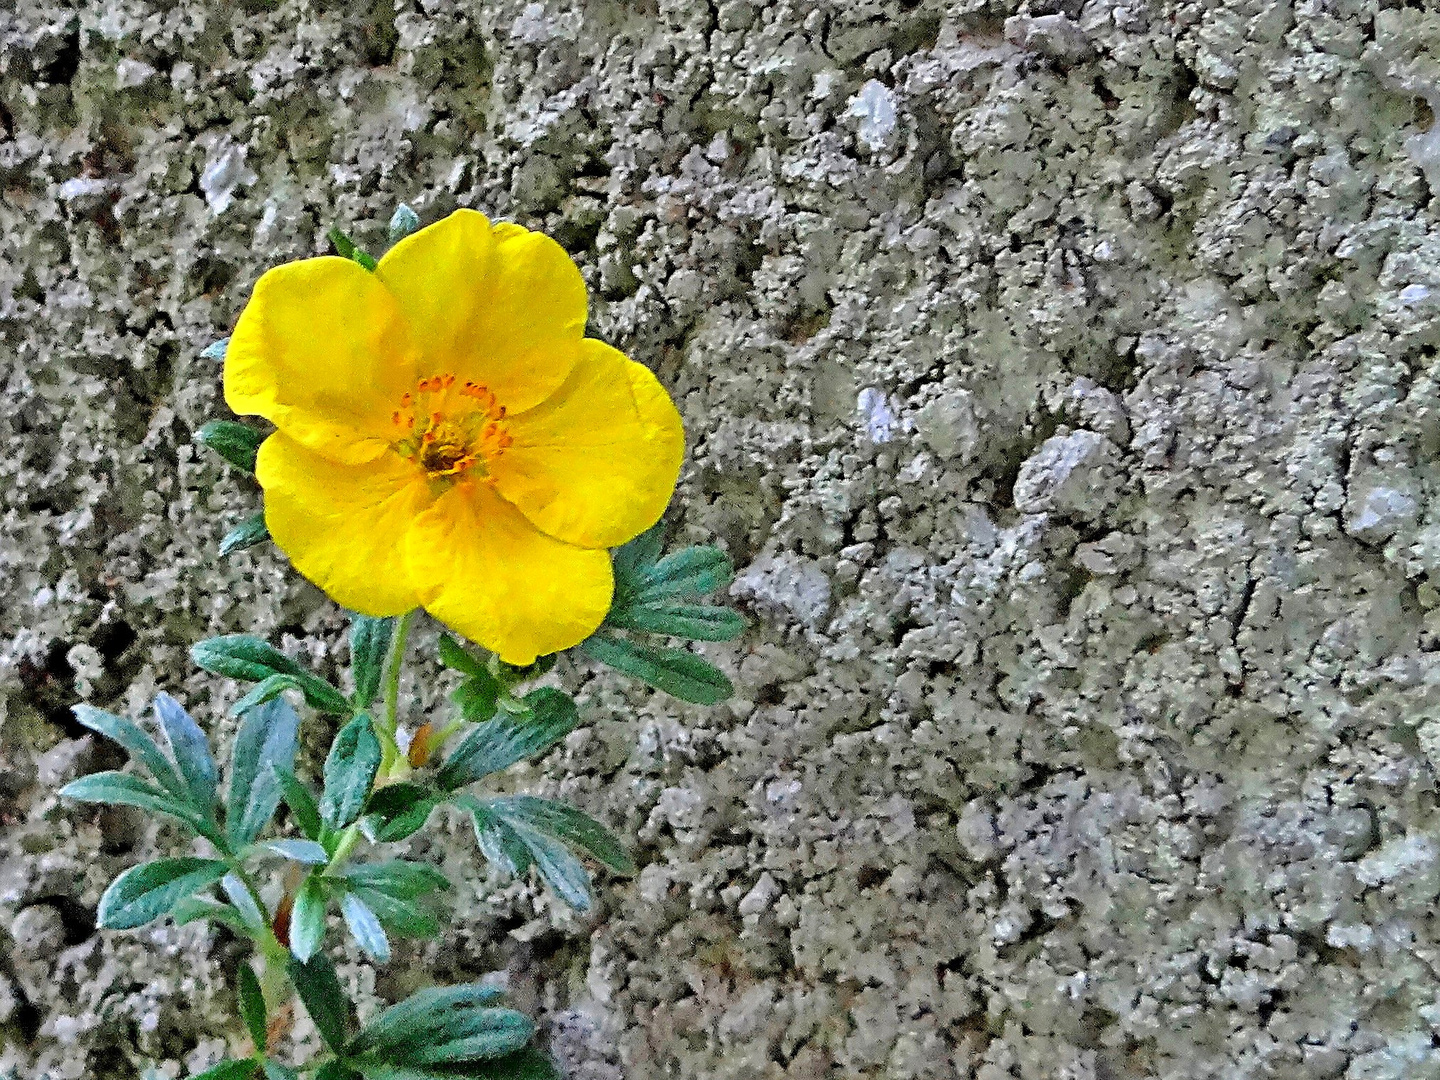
(348, 839)
(389, 720)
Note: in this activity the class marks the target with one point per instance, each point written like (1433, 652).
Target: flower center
(450, 428)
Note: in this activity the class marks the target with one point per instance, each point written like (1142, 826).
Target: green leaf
(428, 1010)
(247, 534)
(145, 892)
(499, 843)
(275, 1070)
(191, 751)
(216, 349)
(698, 622)
(505, 739)
(236, 443)
(397, 810)
(267, 740)
(301, 801)
(247, 658)
(402, 223)
(369, 645)
(194, 908)
(634, 560)
(252, 1004)
(123, 789)
(564, 873)
(136, 742)
(336, 1070)
(244, 657)
(350, 770)
(528, 1064)
(345, 247)
(319, 989)
(679, 673)
(307, 920)
(365, 927)
(483, 1035)
(302, 851)
(242, 900)
(692, 571)
(228, 1070)
(397, 877)
(477, 697)
(458, 658)
(568, 824)
(271, 687)
(405, 918)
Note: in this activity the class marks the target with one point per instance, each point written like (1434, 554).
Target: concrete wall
(1063, 380)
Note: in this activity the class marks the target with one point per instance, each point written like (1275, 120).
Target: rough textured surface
(1061, 377)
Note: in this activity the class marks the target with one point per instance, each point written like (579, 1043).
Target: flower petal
(487, 573)
(503, 306)
(343, 525)
(596, 464)
(320, 351)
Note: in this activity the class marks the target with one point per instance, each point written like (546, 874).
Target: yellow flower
(448, 438)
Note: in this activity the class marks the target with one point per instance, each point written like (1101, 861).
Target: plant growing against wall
(445, 439)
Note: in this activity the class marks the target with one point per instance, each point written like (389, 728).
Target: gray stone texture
(1061, 379)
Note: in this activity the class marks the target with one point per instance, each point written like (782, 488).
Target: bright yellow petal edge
(447, 437)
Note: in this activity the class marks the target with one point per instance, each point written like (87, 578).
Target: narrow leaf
(307, 920)
(216, 349)
(247, 534)
(135, 742)
(397, 877)
(301, 801)
(266, 741)
(568, 824)
(505, 739)
(528, 1064)
(276, 1070)
(302, 851)
(486, 1035)
(243, 657)
(365, 927)
(270, 687)
(123, 789)
(319, 989)
(350, 772)
(564, 873)
(347, 249)
(369, 644)
(679, 673)
(402, 223)
(236, 443)
(191, 751)
(194, 908)
(252, 1005)
(499, 843)
(147, 891)
(405, 918)
(692, 571)
(698, 622)
(334, 1069)
(250, 913)
(397, 1024)
(397, 810)
(228, 1070)
(634, 560)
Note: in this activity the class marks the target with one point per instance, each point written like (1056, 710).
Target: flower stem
(389, 720)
